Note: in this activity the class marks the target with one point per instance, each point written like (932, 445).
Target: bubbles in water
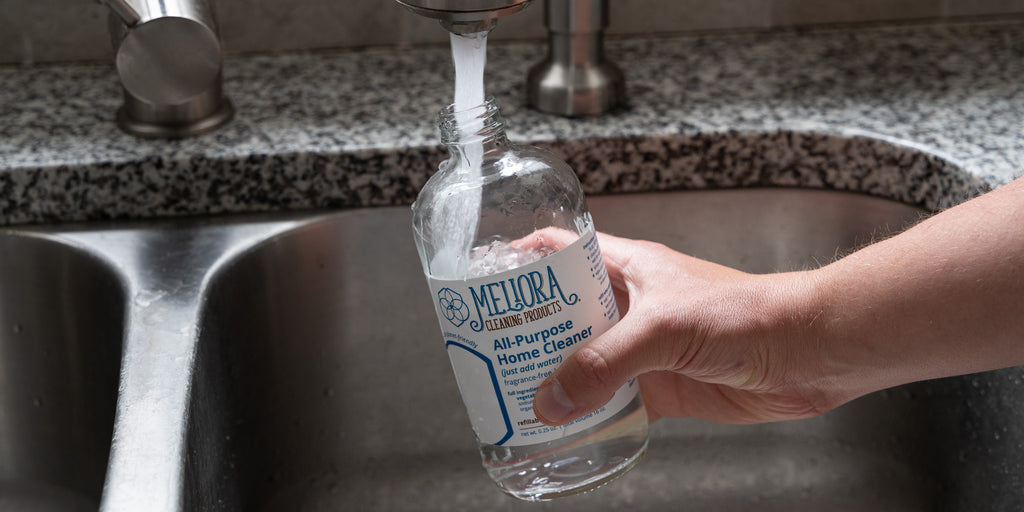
(500, 256)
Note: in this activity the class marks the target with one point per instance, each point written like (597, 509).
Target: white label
(506, 332)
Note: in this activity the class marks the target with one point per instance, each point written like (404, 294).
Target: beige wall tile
(276, 25)
(982, 7)
(659, 16)
(34, 31)
(801, 12)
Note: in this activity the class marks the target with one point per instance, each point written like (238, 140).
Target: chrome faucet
(465, 16)
(575, 79)
(168, 58)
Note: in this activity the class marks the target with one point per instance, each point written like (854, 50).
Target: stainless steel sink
(294, 363)
(62, 322)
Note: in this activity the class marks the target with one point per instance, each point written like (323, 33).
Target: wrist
(816, 357)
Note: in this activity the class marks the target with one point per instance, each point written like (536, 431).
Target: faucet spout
(465, 16)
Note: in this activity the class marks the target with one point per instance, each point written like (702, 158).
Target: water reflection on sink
(321, 383)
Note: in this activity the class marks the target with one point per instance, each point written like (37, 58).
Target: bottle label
(506, 332)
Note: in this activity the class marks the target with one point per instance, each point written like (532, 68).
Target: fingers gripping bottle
(516, 276)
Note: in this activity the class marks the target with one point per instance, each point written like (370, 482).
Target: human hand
(941, 298)
(705, 340)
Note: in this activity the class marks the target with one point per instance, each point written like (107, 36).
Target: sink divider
(166, 270)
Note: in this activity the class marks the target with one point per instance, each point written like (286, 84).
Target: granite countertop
(929, 114)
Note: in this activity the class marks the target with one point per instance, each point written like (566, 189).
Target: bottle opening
(474, 124)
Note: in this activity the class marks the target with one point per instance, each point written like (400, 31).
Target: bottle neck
(479, 126)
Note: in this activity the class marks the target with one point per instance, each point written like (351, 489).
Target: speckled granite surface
(928, 114)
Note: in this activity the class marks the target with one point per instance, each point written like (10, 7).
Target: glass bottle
(510, 252)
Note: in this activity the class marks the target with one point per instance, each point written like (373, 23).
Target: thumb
(588, 379)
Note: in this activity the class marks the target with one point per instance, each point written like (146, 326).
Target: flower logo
(453, 307)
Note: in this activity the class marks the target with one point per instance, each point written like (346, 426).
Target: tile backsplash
(33, 31)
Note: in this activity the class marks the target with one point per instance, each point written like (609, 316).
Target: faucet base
(168, 58)
(572, 91)
(163, 130)
(575, 79)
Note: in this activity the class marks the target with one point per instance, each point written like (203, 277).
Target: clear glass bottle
(509, 249)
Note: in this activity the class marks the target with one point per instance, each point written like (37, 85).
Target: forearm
(945, 297)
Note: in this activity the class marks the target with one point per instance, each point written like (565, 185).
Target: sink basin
(61, 325)
(320, 383)
(293, 361)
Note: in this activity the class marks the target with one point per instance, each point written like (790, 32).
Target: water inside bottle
(469, 55)
(574, 462)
